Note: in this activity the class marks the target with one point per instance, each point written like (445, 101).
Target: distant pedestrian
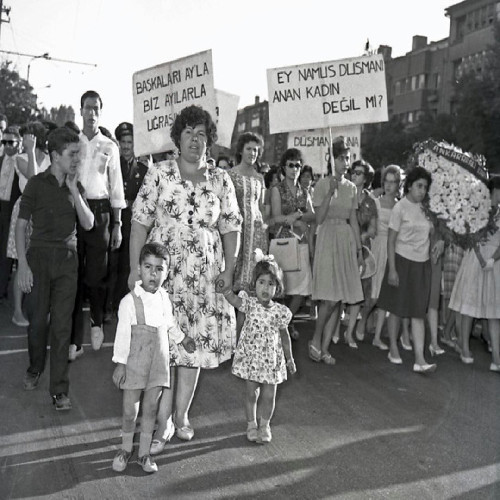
(146, 324)
(54, 201)
(264, 350)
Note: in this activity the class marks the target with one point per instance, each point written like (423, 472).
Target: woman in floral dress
(250, 189)
(191, 208)
(291, 211)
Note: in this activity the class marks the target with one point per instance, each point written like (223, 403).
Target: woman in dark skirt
(406, 285)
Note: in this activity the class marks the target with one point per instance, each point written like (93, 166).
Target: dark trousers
(93, 249)
(55, 273)
(119, 265)
(5, 262)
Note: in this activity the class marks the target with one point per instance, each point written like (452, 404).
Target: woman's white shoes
(424, 368)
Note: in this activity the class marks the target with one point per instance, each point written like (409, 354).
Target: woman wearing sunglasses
(291, 211)
(338, 257)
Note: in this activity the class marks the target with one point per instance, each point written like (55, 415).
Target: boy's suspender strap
(139, 309)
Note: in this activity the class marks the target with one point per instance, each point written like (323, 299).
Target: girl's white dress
(476, 292)
(259, 356)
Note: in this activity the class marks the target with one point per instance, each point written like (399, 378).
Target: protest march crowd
(201, 260)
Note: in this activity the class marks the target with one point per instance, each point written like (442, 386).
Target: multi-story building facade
(421, 81)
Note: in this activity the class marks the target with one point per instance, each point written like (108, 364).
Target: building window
(255, 122)
(410, 117)
(398, 87)
(241, 127)
(421, 81)
(414, 82)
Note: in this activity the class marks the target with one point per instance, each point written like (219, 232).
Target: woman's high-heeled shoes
(350, 343)
(314, 352)
(436, 351)
(406, 347)
(468, 360)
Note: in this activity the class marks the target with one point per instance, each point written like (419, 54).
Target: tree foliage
(477, 115)
(17, 100)
(59, 115)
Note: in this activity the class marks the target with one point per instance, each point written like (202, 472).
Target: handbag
(286, 252)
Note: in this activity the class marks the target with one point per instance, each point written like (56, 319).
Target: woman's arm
(231, 244)
(392, 277)
(138, 235)
(83, 212)
(233, 299)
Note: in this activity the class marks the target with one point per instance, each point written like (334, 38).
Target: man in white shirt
(101, 177)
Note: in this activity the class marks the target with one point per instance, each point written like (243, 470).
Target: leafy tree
(477, 114)
(17, 100)
(59, 115)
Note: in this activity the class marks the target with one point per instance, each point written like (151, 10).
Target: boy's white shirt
(157, 313)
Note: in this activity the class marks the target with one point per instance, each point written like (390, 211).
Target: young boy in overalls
(146, 325)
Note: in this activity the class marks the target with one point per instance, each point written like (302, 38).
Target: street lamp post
(42, 56)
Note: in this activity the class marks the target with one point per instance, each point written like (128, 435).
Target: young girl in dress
(264, 349)
(145, 327)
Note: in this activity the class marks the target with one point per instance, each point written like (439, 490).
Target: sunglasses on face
(294, 165)
(9, 142)
(358, 172)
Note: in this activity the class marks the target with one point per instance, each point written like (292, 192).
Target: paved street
(361, 429)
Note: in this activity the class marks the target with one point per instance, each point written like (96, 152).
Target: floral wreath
(459, 201)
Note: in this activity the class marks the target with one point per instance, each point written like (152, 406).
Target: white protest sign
(327, 94)
(227, 109)
(161, 92)
(315, 145)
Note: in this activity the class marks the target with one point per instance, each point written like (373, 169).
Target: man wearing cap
(101, 177)
(133, 172)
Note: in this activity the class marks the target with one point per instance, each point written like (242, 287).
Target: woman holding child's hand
(192, 209)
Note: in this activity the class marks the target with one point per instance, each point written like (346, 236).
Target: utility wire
(46, 56)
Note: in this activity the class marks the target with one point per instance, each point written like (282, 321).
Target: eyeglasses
(294, 165)
(358, 172)
(9, 142)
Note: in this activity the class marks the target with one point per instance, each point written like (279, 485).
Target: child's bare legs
(267, 401)
(418, 334)
(165, 428)
(353, 318)
(393, 323)
(131, 400)
(148, 419)
(494, 329)
(251, 398)
(18, 301)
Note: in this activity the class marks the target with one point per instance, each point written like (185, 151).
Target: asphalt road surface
(363, 429)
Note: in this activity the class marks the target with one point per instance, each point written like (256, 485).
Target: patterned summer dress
(259, 356)
(189, 221)
(254, 235)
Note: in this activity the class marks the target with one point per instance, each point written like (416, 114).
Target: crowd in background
(368, 252)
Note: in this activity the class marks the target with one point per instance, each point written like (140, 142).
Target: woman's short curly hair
(245, 139)
(414, 174)
(191, 117)
(368, 171)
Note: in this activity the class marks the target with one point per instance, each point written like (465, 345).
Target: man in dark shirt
(133, 172)
(48, 273)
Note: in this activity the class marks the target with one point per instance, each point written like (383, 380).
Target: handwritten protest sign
(327, 94)
(315, 145)
(161, 92)
(226, 111)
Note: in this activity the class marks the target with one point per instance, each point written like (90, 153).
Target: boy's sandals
(314, 352)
